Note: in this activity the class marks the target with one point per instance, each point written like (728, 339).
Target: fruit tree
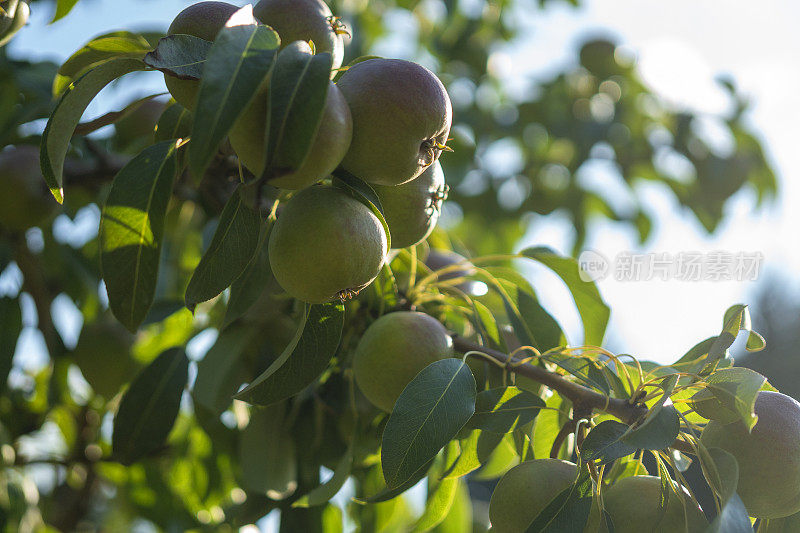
(280, 205)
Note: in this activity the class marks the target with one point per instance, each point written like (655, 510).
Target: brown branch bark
(581, 396)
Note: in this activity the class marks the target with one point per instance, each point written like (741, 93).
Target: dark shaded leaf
(248, 287)
(180, 56)
(298, 89)
(237, 64)
(661, 426)
(306, 357)
(10, 327)
(148, 409)
(603, 443)
(233, 246)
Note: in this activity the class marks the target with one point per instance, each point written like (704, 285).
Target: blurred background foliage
(517, 151)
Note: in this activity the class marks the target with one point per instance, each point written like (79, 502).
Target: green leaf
(219, 371)
(298, 89)
(603, 443)
(148, 409)
(67, 114)
(63, 7)
(99, 50)
(234, 243)
(593, 310)
(504, 409)
(237, 65)
(10, 327)
(303, 360)
(730, 393)
(548, 424)
(328, 490)
(429, 412)
(440, 500)
(737, 318)
(389, 494)
(569, 511)
(721, 470)
(542, 325)
(459, 518)
(248, 287)
(180, 56)
(131, 231)
(732, 518)
(661, 426)
(267, 454)
(175, 123)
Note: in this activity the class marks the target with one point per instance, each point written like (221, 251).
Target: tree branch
(581, 396)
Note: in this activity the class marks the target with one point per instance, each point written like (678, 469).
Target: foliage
(182, 254)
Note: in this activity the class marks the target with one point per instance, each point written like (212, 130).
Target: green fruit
(768, 457)
(327, 149)
(401, 119)
(326, 244)
(632, 503)
(203, 20)
(24, 198)
(526, 490)
(393, 350)
(304, 20)
(412, 209)
(103, 355)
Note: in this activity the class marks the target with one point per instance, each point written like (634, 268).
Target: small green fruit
(326, 152)
(632, 503)
(768, 456)
(326, 244)
(24, 198)
(412, 209)
(203, 20)
(304, 20)
(526, 490)
(401, 120)
(393, 350)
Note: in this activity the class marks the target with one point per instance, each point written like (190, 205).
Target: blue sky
(680, 47)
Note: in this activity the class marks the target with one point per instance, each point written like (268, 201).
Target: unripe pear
(304, 20)
(326, 244)
(203, 20)
(24, 198)
(330, 143)
(633, 502)
(526, 490)
(768, 456)
(393, 350)
(412, 209)
(401, 120)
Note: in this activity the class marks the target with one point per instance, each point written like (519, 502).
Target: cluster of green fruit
(385, 121)
(769, 479)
